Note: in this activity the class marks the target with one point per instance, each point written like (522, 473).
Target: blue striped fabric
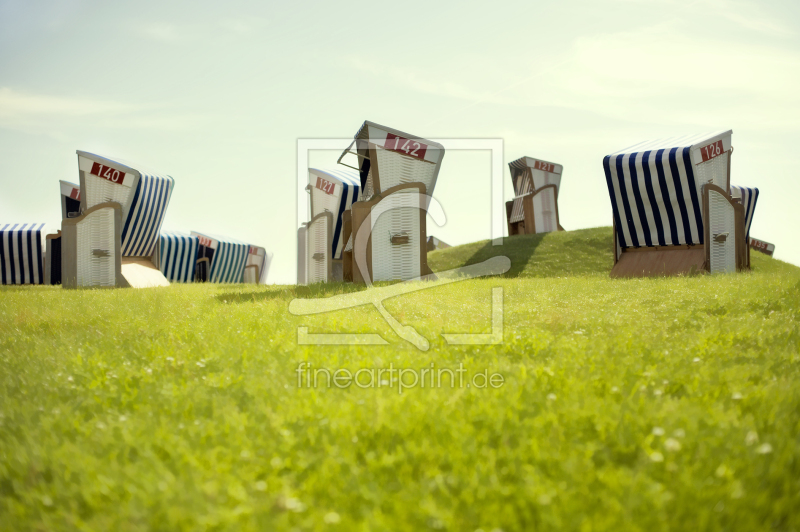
(749, 198)
(21, 254)
(654, 196)
(146, 214)
(230, 257)
(351, 185)
(178, 256)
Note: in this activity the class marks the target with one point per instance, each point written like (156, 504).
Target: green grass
(645, 404)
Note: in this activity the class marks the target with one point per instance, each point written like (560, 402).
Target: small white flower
(672, 445)
(261, 485)
(764, 448)
(658, 431)
(47, 501)
(736, 396)
(200, 365)
(544, 499)
(657, 457)
(679, 433)
(751, 438)
(551, 397)
(69, 378)
(614, 389)
(294, 505)
(657, 393)
(331, 518)
(696, 359)
(123, 418)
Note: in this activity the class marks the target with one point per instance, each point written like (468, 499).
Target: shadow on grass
(312, 291)
(519, 249)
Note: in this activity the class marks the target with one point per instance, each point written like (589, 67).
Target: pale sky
(217, 96)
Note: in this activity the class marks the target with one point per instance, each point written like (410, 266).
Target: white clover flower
(764, 448)
(672, 445)
(551, 397)
(751, 438)
(658, 431)
(657, 457)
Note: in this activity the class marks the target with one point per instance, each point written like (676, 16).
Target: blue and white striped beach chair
(220, 259)
(142, 197)
(673, 213)
(177, 256)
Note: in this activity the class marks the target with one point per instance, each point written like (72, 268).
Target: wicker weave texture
(95, 246)
(722, 231)
(396, 261)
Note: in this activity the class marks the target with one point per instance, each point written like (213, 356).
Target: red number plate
(253, 251)
(712, 150)
(325, 185)
(75, 194)
(204, 241)
(106, 172)
(414, 148)
(547, 167)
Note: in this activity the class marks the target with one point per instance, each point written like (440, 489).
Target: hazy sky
(217, 94)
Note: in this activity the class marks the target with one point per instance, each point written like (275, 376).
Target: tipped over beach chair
(534, 208)
(673, 213)
(220, 259)
(391, 164)
(112, 240)
(176, 256)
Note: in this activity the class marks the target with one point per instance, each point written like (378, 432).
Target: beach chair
(256, 267)
(673, 213)
(534, 208)
(21, 253)
(93, 253)
(176, 256)
(220, 259)
(70, 199)
(333, 191)
(391, 164)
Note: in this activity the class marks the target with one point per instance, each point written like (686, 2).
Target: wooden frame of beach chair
(401, 253)
(661, 200)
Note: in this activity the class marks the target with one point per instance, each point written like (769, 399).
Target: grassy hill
(642, 404)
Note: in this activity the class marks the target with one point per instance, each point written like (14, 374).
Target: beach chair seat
(396, 246)
(318, 246)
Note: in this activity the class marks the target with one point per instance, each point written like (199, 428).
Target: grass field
(654, 404)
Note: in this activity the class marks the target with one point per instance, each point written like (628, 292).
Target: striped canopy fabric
(21, 254)
(146, 214)
(230, 257)
(351, 185)
(654, 194)
(749, 197)
(178, 256)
